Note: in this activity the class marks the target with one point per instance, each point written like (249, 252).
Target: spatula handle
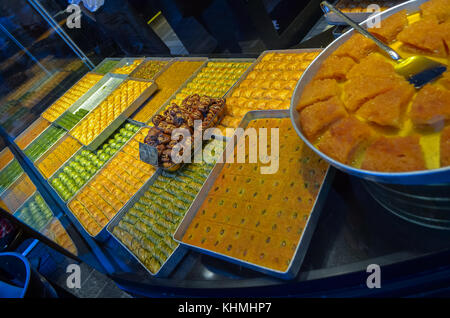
(327, 7)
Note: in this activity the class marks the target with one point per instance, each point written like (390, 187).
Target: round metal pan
(436, 176)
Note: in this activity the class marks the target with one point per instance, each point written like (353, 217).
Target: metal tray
(95, 70)
(305, 238)
(435, 176)
(200, 69)
(30, 128)
(126, 61)
(78, 152)
(50, 150)
(259, 59)
(162, 70)
(103, 234)
(250, 69)
(96, 94)
(74, 85)
(179, 59)
(119, 120)
(177, 254)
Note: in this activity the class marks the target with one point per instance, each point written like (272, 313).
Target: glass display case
(23, 197)
(73, 122)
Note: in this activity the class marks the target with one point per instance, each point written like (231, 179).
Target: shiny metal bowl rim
(433, 176)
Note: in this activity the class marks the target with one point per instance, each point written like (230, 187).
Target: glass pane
(36, 65)
(86, 32)
(283, 12)
(20, 197)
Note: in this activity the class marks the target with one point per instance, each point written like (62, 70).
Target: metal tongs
(418, 70)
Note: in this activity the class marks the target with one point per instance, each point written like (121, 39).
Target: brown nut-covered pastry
(173, 143)
(166, 127)
(205, 100)
(152, 137)
(165, 155)
(188, 127)
(190, 100)
(164, 139)
(157, 119)
(197, 115)
(189, 122)
(216, 108)
(160, 148)
(152, 140)
(178, 119)
(153, 131)
(205, 124)
(174, 109)
(193, 107)
(203, 108)
(169, 120)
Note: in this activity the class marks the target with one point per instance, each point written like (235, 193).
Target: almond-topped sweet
(359, 111)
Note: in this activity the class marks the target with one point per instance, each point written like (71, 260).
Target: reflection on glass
(36, 66)
(10, 170)
(56, 232)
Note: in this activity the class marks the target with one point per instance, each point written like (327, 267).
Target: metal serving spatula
(418, 70)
